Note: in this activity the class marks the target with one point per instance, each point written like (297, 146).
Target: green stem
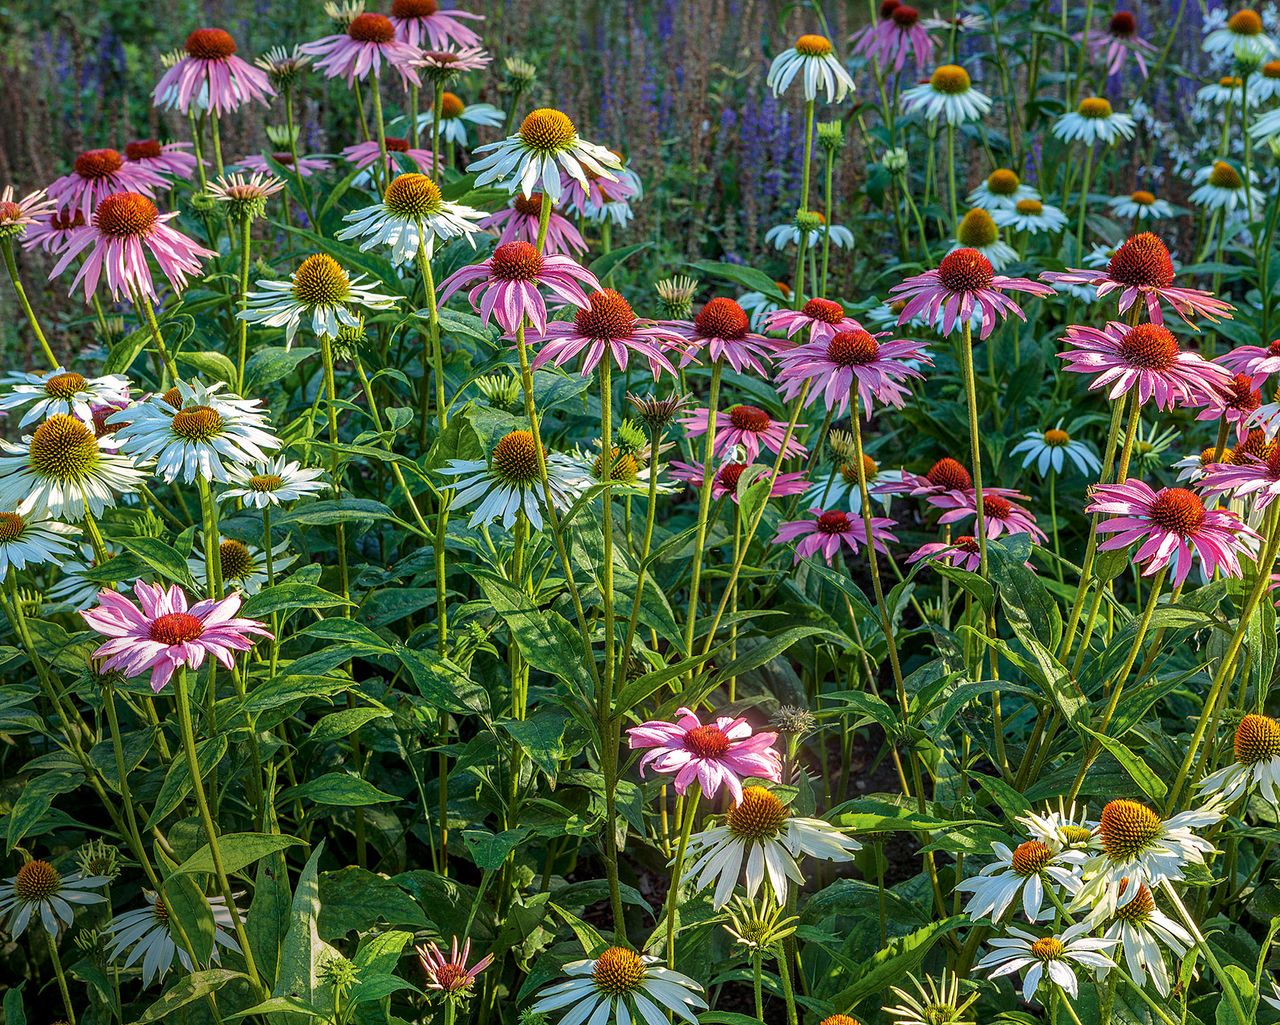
(975, 449)
(704, 506)
(692, 799)
(788, 991)
(437, 109)
(242, 326)
(12, 266)
(149, 313)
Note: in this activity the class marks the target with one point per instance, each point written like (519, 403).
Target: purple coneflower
(422, 23)
(363, 154)
(748, 427)
(847, 359)
(824, 319)
(450, 975)
(306, 166)
(171, 158)
(963, 281)
(825, 532)
(723, 331)
(369, 40)
(1258, 362)
(721, 753)
(1118, 41)
(98, 173)
(725, 482)
(962, 552)
(519, 222)
(1000, 514)
(211, 77)
(606, 322)
(508, 285)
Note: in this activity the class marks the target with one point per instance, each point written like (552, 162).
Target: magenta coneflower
(164, 634)
(450, 975)
(1146, 357)
(509, 281)
(363, 154)
(851, 358)
(1000, 515)
(1236, 405)
(963, 282)
(945, 477)
(369, 40)
(1143, 269)
(825, 532)
(1253, 476)
(899, 34)
(169, 158)
(125, 227)
(748, 427)
(721, 753)
(210, 76)
(1258, 362)
(1171, 527)
(723, 329)
(52, 231)
(606, 322)
(962, 552)
(724, 483)
(306, 167)
(422, 23)
(519, 222)
(824, 319)
(17, 215)
(1118, 40)
(98, 173)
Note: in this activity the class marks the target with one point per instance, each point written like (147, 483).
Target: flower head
(17, 214)
(606, 324)
(932, 1003)
(813, 61)
(1140, 205)
(1026, 872)
(948, 96)
(450, 975)
(1119, 40)
(734, 477)
(422, 23)
(825, 533)
(821, 318)
(962, 283)
(60, 391)
(147, 933)
(1094, 121)
(533, 159)
(1000, 513)
(619, 985)
(209, 76)
(271, 483)
(1048, 958)
(40, 891)
(411, 216)
(1243, 36)
(369, 40)
(1050, 450)
(852, 359)
(1171, 527)
(1257, 763)
(722, 331)
(521, 220)
(171, 158)
(319, 287)
(455, 116)
(33, 540)
(98, 173)
(1002, 190)
(245, 196)
(166, 633)
(723, 752)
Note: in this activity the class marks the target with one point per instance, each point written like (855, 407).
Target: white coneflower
(320, 289)
(62, 469)
(147, 933)
(1141, 931)
(1001, 190)
(514, 482)
(621, 986)
(1139, 205)
(1048, 956)
(532, 159)
(193, 432)
(811, 226)
(272, 483)
(32, 541)
(39, 891)
(1243, 36)
(1051, 449)
(813, 60)
(1223, 188)
(948, 96)
(1094, 121)
(761, 835)
(60, 391)
(1228, 89)
(243, 567)
(456, 116)
(1029, 872)
(1065, 826)
(412, 215)
(1031, 216)
(1257, 763)
(932, 1003)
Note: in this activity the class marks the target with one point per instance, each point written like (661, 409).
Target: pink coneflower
(211, 77)
(1237, 404)
(723, 752)
(1117, 41)
(51, 232)
(824, 319)
(164, 634)
(17, 215)
(825, 532)
(1253, 476)
(98, 173)
(509, 281)
(1143, 269)
(1146, 357)
(851, 358)
(307, 166)
(450, 975)
(962, 552)
(963, 282)
(125, 227)
(747, 426)
(607, 321)
(519, 223)
(723, 329)
(422, 23)
(946, 476)
(446, 65)
(1254, 360)
(1171, 527)
(724, 483)
(369, 40)
(893, 37)
(1000, 514)
(169, 158)
(363, 154)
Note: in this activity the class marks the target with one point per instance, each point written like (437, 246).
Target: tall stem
(975, 448)
(692, 797)
(704, 506)
(12, 266)
(242, 326)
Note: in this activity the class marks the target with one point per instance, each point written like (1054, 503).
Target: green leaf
(442, 683)
(337, 725)
(165, 560)
(330, 512)
(189, 906)
(292, 594)
(177, 781)
(188, 989)
(1028, 606)
(341, 789)
(274, 363)
(34, 801)
(772, 648)
(1139, 771)
(490, 850)
(889, 966)
(286, 690)
(354, 899)
(125, 351)
(14, 1013)
(209, 364)
(239, 850)
(748, 277)
(605, 264)
(276, 1005)
(303, 953)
